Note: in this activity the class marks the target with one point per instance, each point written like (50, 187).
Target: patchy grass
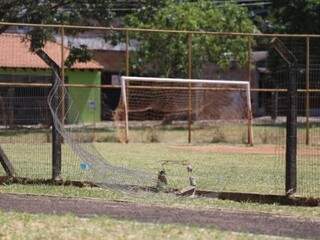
(161, 199)
(263, 173)
(241, 172)
(32, 226)
(238, 172)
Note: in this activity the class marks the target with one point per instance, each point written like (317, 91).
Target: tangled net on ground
(97, 168)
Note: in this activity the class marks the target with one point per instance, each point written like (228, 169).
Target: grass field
(38, 226)
(215, 171)
(31, 226)
(160, 199)
(245, 171)
(236, 168)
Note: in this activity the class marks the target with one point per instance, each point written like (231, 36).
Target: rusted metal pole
(291, 138)
(6, 163)
(190, 85)
(307, 90)
(47, 85)
(271, 35)
(127, 54)
(249, 109)
(125, 92)
(62, 78)
(56, 137)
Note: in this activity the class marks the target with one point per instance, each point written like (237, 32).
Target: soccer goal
(190, 104)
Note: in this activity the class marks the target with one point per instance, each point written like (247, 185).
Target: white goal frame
(125, 79)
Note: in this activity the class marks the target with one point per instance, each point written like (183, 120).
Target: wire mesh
(221, 159)
(25, 130)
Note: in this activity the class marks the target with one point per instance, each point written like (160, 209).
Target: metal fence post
(249, 113)
(307, 90)
(190, 85)
(62, 77)
(127, 88)
(6, 163)
(291, 143)
(56, 138)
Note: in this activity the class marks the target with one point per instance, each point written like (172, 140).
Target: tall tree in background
(55, 12)
(296, 16)
(165, 54)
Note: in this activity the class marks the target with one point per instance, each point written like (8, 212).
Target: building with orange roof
(19, 65)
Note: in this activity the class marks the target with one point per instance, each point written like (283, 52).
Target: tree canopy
(163, 54)
(296, 16)
(55, 12)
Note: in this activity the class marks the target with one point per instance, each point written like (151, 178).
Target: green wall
(86, 102)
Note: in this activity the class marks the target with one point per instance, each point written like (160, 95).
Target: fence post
(62, 115)
(6, 164)
(127, 89)
(291, 137)
(190, 85)
(56, 138)
(307, 90)
(291, 143)
(249, 113)
(127, 53)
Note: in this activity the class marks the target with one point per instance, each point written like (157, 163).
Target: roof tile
(15, 53)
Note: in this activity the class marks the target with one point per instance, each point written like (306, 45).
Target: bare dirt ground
(257, 149)
(249, 222)
(265, 149)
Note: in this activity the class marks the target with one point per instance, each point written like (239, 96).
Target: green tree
(55, 12)
(165, 54)
(296, 16)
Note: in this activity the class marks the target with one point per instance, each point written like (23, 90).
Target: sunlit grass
(243, 172)
(37, 226)
(160, 199)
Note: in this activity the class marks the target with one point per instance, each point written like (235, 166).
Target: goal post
(180, 84)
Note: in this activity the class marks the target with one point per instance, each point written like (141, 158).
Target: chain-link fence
(170, 126)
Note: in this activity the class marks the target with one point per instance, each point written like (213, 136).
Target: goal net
(95, 166)
(160, 109)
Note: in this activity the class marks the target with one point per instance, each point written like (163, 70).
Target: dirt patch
(258, 149)
(265, 149)
(257, 223)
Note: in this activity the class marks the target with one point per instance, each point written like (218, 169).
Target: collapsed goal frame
(246, 84)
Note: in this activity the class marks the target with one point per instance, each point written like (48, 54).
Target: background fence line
(307, 88)
(47, 85)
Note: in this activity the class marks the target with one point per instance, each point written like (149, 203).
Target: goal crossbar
(246, 84)
(182, 80)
